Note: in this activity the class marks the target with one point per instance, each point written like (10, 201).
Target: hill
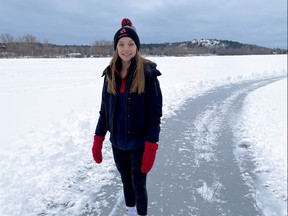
(208, 47)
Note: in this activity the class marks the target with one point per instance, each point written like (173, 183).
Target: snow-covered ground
(262, 127)
(49, 108)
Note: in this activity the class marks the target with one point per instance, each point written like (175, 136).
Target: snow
(49, 109)
(269, 112)
(207, 42)
(263, 122)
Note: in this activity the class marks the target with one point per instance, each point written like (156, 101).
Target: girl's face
(126, 48)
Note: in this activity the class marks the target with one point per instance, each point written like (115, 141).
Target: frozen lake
(49, 109)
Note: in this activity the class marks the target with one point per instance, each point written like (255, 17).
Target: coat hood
(151, 69)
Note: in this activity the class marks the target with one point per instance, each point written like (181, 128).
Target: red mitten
(149, 156)
(97, 148)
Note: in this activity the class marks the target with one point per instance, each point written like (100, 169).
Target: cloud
(74, 21)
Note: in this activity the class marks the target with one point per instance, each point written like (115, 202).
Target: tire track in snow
(196, 172)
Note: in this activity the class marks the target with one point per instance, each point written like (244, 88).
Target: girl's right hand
(97, 148)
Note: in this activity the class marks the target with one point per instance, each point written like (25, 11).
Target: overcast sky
(261, 22)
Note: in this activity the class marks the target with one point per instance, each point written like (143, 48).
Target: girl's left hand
(149, 156)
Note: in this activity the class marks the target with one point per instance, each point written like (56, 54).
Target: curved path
(196, 172)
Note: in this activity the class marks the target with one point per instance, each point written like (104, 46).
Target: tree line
(29, 46)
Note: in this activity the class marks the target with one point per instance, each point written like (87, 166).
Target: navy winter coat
(141, 113)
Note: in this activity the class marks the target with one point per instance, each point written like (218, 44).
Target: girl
(131, 109)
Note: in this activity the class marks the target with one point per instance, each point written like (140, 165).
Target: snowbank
(263, 126)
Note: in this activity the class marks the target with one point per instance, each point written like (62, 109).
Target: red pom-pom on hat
(126, 30)
(126, 22)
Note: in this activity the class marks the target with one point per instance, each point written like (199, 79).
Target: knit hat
(127, 30)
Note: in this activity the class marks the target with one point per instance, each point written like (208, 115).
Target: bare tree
(28, 38)
(102, 48)
(27, 45)
(103, 43)
(48, 50)
(7, 38)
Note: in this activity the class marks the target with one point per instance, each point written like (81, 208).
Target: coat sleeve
(153, 109)
(101, 127)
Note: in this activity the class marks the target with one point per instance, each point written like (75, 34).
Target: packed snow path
(196, 172)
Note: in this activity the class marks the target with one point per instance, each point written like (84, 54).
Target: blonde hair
(138, 83)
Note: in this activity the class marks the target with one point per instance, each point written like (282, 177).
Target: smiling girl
(131, 110)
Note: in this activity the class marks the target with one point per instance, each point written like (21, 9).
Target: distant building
(2, 48)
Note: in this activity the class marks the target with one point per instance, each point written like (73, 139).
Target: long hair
(138, 83)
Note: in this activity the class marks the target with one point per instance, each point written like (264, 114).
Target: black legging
(129, 164)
